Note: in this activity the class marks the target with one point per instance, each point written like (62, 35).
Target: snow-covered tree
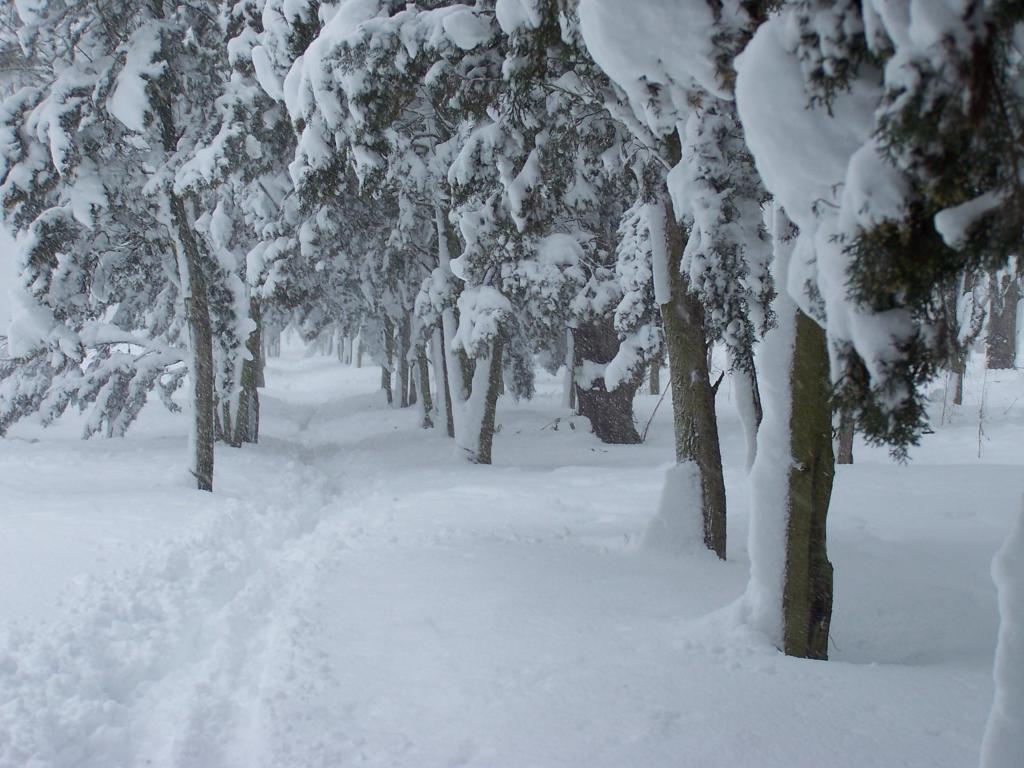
(382, 91)
(115, 265)
(672, 65)
(576, 182)
(891, 216)
(889, 137)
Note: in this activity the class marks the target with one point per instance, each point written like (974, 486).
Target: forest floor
(353, 595)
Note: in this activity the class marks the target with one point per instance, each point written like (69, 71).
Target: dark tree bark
(423, 378)
(958, 348)
(389, 356)
(261, 367)
(490, 404)
(404, 333)
(1002, 322)
(693, 398)
(197, 303)
(610, 413)
(572, 361)
(225, 427)
(957, 372)
(844, 438)
(807, 592)
(654, 377)
(197, 314)
(444, 386)
(247, 422)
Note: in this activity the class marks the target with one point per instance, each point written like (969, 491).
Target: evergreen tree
(711, 255)
(890, 140)
(115, 264)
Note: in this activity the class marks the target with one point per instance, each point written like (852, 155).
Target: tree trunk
(247, 422)
(404, 333)
(192, 285)
(426, 403)
(272, 343)
(748, 404)
(570, 370)
(789, 595)
(444, 393)
(654, 377)
(230, 429)
(197, 314)
(493, 385)
(389, 356)
(844, 437)
(957, 376)
(693, 400)
(261, 368)
(474, 384)
(610, 413)
(807, 593)
(1002, 322)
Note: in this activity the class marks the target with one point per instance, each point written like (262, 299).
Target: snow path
(354, 596)
(189, 618)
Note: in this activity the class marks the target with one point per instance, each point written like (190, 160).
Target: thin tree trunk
(570, 370)
(261, 368)
(807, 592)
(958, 350)
(423, 375)
(218, 427)
(247, 422)
(493, 385)
(227, 427)
(197, 313)
(654, 377)
(449, 410)
(474, 383)
(844, 437)
(1002, 322)
(748, 404)
(444, 393)
(610, 413)
(693, 399)
(957, 375)
(389, 356)
(404, 333)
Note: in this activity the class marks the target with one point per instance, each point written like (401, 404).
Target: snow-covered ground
(353, 595)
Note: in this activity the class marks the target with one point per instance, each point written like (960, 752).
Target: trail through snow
(353, 595)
